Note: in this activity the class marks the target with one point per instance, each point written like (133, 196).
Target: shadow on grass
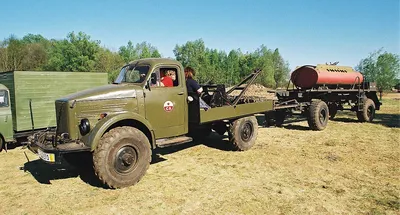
(44, 173)
(214, 140)
(388, 120)
(287, 123)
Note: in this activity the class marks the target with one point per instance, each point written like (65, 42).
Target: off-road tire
(1, 144)
(110, 163)
(318, 115)
(332, 110)
(243, 133)
(368, 112)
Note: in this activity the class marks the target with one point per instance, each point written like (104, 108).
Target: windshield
(132, 74)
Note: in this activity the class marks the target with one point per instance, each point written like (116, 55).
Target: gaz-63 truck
(27, 99)
(122, 123)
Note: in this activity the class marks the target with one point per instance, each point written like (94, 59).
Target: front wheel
(122, 157)
(243, 133)
(368, 112)
(318, 115)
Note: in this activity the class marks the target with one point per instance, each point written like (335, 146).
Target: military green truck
(122, 123)
(27, 99)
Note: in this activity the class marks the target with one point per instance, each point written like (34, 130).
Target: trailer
(27, 99)
(319, 92)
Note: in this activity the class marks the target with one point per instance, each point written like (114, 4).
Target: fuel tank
(309, 76)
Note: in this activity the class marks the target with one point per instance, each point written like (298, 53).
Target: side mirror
(147, 86)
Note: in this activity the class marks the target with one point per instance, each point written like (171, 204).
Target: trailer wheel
(318, 115)
(368, 112)
(243, 133)
(122, 157)
(332, 110)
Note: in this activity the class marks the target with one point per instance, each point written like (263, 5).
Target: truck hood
(104, 92)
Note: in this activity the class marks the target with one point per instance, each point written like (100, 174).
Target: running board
(173, 141)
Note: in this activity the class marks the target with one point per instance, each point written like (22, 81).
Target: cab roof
(156, 61)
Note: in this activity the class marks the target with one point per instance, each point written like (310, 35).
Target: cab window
(3, 98)
(164, 77)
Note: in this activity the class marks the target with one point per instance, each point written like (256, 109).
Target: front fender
(92, 139)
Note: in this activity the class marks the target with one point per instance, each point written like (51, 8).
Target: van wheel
(243, 133)
(368, 112)
(122, 157)
(318, 115)
(1, 144)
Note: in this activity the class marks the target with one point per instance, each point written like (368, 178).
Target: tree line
(78, 52)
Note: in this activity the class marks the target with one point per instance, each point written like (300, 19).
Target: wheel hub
(322, 116)
(247, 132)
(125, 159)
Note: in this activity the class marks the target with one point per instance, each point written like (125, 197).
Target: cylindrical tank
(309, 76)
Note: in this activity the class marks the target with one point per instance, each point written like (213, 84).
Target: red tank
(312, 76)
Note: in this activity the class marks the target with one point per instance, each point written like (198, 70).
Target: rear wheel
(243, 133)
(368, 112)
(122, 157)
(318, 115)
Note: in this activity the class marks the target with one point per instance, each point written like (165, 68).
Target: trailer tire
(318, 115)
(368, 112)
(122, 157)
(243, 133)
(332, 110)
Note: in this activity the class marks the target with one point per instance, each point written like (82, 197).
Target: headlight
(84, 126)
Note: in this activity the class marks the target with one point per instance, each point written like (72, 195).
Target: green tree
(382, 68)
(110, 62)
(140, 50)
(76, 53)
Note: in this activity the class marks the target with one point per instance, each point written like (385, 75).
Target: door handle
(180, 93)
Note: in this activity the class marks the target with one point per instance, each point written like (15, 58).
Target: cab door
(166, 107)
(6, 123)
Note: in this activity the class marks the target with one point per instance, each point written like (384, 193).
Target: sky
(304, 31)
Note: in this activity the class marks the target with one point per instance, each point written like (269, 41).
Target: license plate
(49, 157)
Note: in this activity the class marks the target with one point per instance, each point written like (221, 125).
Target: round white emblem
(168, 106)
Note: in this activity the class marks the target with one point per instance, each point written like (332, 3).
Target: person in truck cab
(168, 79)
(191, 84)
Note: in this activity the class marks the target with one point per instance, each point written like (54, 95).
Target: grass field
(349, 168)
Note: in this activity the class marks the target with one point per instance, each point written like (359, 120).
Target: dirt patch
(256, 90)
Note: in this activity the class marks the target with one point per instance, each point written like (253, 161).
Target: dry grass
(349, 168)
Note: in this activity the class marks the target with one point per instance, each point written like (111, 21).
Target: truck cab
(6, 123)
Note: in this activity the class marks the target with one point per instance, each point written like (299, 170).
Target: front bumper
(50, 149)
